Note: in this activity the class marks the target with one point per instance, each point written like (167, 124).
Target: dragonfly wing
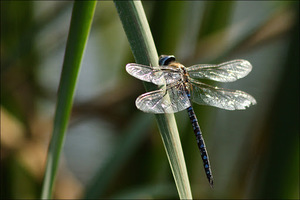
(166, 74)
(219, 97)
(224, 72)
(158, 102)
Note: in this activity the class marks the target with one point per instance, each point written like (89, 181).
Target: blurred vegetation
(112, 150)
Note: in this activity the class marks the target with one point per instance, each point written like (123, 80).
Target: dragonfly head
(166, 59)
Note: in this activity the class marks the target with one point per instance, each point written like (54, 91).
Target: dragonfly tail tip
(211, 182)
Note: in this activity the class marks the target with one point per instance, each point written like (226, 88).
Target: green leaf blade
(81, 21)
(140, 38)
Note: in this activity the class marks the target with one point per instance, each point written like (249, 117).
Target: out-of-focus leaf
(127, 145)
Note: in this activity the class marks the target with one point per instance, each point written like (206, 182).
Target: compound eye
(166, 59)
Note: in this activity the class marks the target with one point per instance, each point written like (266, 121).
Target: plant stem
(81, 21)
(142, 45)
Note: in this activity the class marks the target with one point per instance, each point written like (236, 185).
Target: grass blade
(142, 45)
(132, 137)
(81, 21)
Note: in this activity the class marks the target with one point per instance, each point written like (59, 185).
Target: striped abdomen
(201, 144)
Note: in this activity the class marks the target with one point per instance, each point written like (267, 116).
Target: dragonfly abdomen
(201, 144)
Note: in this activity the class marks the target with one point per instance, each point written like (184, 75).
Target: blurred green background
(112, 150)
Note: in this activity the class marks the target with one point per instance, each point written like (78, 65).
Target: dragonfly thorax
(170, 60)
(182, 69)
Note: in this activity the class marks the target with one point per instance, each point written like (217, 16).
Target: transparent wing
(158, 102)
(219, 97)
(224, 72)
(166, 74)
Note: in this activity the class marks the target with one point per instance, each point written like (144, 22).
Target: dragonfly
(180, 86)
